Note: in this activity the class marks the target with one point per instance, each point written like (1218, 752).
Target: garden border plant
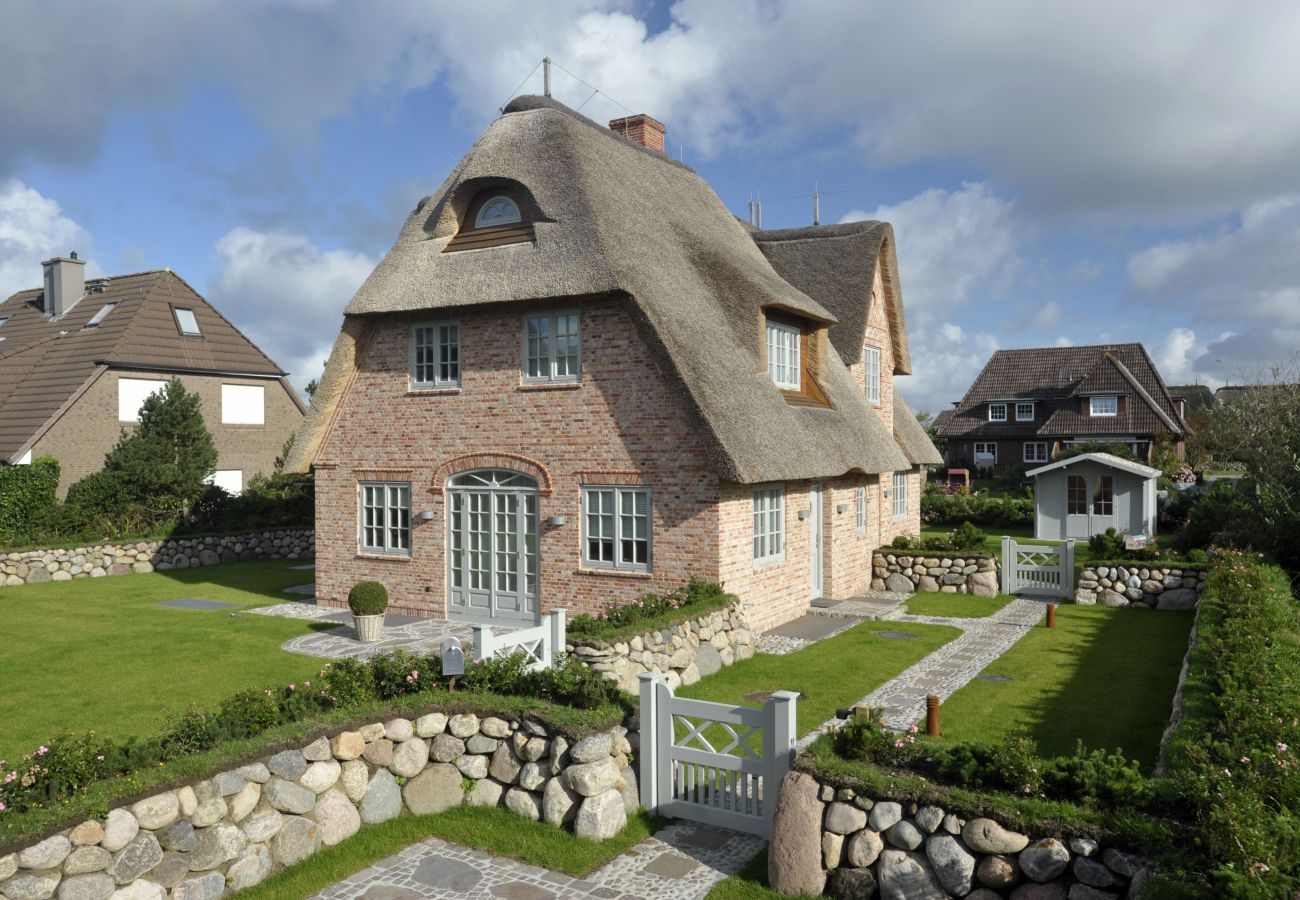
(649, 612)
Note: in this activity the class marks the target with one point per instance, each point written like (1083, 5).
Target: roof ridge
(1142, 392)
(534, 102)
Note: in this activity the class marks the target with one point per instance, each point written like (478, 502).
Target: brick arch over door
(512, 461)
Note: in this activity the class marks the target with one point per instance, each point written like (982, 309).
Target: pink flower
(42, 750)
(913, 729)
(2, 806)
(898, 743)
(10, 777)
(1244, 760)
(293, 687)
(1281, 748)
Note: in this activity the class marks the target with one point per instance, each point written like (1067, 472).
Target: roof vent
(642, 129)
(65, 282)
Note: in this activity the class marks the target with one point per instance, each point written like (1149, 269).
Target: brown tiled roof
(45, 363)
(1056, 378)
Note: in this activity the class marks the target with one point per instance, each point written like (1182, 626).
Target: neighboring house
(1191, 398)
(577, 377)
(1028, 405)
(78, 358)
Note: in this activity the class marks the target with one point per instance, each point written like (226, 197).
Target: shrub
(695, 598)
(1197, 555)
(864, 737)
(903, 542)
(1109, 545)
(399, 673)
(99, 502)
(247, 713)
(1012, 765)
(368, 598)
(968, 535)
(348, 682)
(25, 493)
(981, 509)
(1101, 777)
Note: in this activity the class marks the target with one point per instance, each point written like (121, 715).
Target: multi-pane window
(997, 412)
(616, 527)
(1024, 412)
(435, 355)
(386, 517)
(1103, 499)
(900, 495)
(783, 355)
(1076, 495)
(551, 348)
(871, 361)
(1035, 451)
(862, 508)
(769, 523)
(986, 451)
(1104, 405)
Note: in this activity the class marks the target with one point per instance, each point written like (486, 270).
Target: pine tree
(166, 460)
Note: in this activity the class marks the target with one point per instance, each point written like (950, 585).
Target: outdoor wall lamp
(425, 515)
(556, 521)
(804, 513)
(841, 507)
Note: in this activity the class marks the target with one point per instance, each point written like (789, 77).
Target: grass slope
(95, 654)
(1103, 676)
(959, 606)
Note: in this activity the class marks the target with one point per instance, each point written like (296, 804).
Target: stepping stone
(308, 566)
(706, 838)
(521, 890)
(670, 865)
(450, 875)
(306, 589)
(390, 892)
(807, 628)
(895, 635)
(825, 603)
(194, 603)
(998, 678)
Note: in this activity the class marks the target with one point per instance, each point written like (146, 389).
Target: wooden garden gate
(733, 785)
(1041, 569)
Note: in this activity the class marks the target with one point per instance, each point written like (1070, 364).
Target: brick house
(78, 358)
(577, 377)
(1026, 405)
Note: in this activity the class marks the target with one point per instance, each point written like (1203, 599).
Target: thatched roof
(912, 437)
(613, 218)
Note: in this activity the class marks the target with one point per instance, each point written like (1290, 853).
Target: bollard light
(932, 715)
(1051, 615)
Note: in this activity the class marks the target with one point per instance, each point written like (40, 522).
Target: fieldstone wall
(682, 653)
(99, 560)
(1141, 585)
(851, 846)
(906, 573)
(234, 830)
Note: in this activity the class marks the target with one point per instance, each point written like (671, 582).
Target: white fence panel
(733, 785)
(541, 643)
(1044, 569)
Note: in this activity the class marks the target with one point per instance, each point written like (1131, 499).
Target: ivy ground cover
(97, 654)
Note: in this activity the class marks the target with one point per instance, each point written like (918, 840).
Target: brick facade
(90, 427)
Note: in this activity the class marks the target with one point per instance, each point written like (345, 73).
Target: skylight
(3, 319)
(186, 322)
(101, 315)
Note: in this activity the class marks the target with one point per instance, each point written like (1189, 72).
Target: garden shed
(1086, 494)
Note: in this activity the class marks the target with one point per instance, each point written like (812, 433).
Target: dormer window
(783, 363)
(792, 349)
(497, 211)
(1103, 405)
(1024, 412)
(997, 412)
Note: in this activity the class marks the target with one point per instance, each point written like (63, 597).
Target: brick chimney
(65, 282)
(641, 128)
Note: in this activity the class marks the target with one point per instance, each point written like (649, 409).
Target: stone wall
(98, 560)
(905, 572)
(682, 653)
(1142, 585)
(850, 845)
(233, 831)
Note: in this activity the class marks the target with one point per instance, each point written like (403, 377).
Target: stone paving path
(682, 861)
(901, 701)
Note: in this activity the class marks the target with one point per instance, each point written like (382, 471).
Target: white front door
(492, 547)
(815, 538)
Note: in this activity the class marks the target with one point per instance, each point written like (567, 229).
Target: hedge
(24, 492)
(938, 507)
(650, 611)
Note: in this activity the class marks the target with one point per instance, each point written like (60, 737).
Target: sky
(1055, 173)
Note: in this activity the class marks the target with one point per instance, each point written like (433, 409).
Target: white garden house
(1086, 494)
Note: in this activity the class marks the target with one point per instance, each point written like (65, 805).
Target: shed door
(1103, 503)
(1076, 507)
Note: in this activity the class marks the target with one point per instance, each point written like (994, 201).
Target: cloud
(34, 228)
(286, 294)
(947, 360)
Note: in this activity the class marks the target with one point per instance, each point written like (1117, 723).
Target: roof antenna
(758, 212)
(546, 76)
(817, 205)
(751, 209)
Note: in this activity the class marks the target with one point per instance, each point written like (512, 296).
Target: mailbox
(453, 657)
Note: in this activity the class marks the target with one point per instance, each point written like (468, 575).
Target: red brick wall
(625, 422)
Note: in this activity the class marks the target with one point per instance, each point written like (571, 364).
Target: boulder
(1107, 597)
(252, 867)
(905, 875)
(209, 812)
(347, 745)
(1053, 890)
(120, 828)
(337, 817)
(1093, 872)
(136, 858)
(409, 758)
(435, 789)
(987, 836)
(899, 584)
(96, 886)
(297, 839)
(245, 801)
(852, 884)
(592, 778)
(1081, 846)
(863, 848)
(630, 792)
(842, 818)
(381, 799)
(317, 751)
(158, 811)
(1177, 599)
(592, 749)
(140, 889)
(463, 725)
(485, 792)
(983, 584)
(288, 797)
(217, 846)
(600, 817)
(399, 730)
(445, 748)
(48, 854)
(378, 753)
(494, 727)
(832, 849)
(83, 860)
(471, 765)
(481, 743)
(288, 764)
(524, 803)
(85, 834)
(179, 836)
(884, 815)
(997, 871)
(794, 855)
(431, 724)
(1084, 892)
(320, 776)
(254, 772)
(531, 776)
(1044, 860)
(209, 886)
(263, 826)
(953, 864)
(559, 804)
(31, 885)
(708, 661)
(1126, 864)
(225, 784)
(904, 835)
(505, 768)
(928, 819)
(353, 779)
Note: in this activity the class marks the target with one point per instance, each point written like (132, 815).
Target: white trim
(871, 375)
(549, 358)
(1026, 457)
(783, 355)
(769, 523)
(1001, 406)
(393, 497)
(616, 516)
(1028, 418)
(478, 219)
(1092, 405)
(437, 361)
(1105, 459)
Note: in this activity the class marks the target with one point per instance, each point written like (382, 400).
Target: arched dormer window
(497, 211)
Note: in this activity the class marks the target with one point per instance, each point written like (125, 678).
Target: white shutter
(243, 404)
(131, 394)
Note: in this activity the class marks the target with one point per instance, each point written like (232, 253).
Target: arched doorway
(492, 546)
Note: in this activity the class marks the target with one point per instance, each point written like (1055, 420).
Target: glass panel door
(492, 547)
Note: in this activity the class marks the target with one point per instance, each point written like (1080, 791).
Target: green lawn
(1024, 534)
(495, 830)
(829, 674)
(1105, 676)
(961, 606)
(94, 654)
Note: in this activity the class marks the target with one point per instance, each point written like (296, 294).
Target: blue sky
(1055, 174)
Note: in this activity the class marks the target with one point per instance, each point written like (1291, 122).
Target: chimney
(65, 282)
(641, 128)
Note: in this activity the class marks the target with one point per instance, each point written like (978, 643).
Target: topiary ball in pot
(368, 600)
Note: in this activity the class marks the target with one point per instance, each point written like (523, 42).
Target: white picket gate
(541, 643)
(683, 775)
(1042, 569)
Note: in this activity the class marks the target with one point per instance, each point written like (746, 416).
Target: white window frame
(993, 407)
(1114, 405)
(899, 496)
(769, 524)
(234, 402)
(180, 324)
(394, 528)
(871, 375)
(783, 355)
(100, 314)
(976, 448)
(550, 358)
(130, 412)
(617, 493)
(441, 345)
(1035, 457)
(481, 221)
(1024, 405)
(861, 512)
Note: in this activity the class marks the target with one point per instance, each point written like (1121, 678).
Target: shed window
(769, 523)
(386, 517)
(783, 362)
(871, 359)
(1104, 405)
(1024, 412)
(997, 412)
(1103, 499)
(1076, 495)
(497, 211)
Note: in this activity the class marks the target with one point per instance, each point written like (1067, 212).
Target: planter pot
(369, 628)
